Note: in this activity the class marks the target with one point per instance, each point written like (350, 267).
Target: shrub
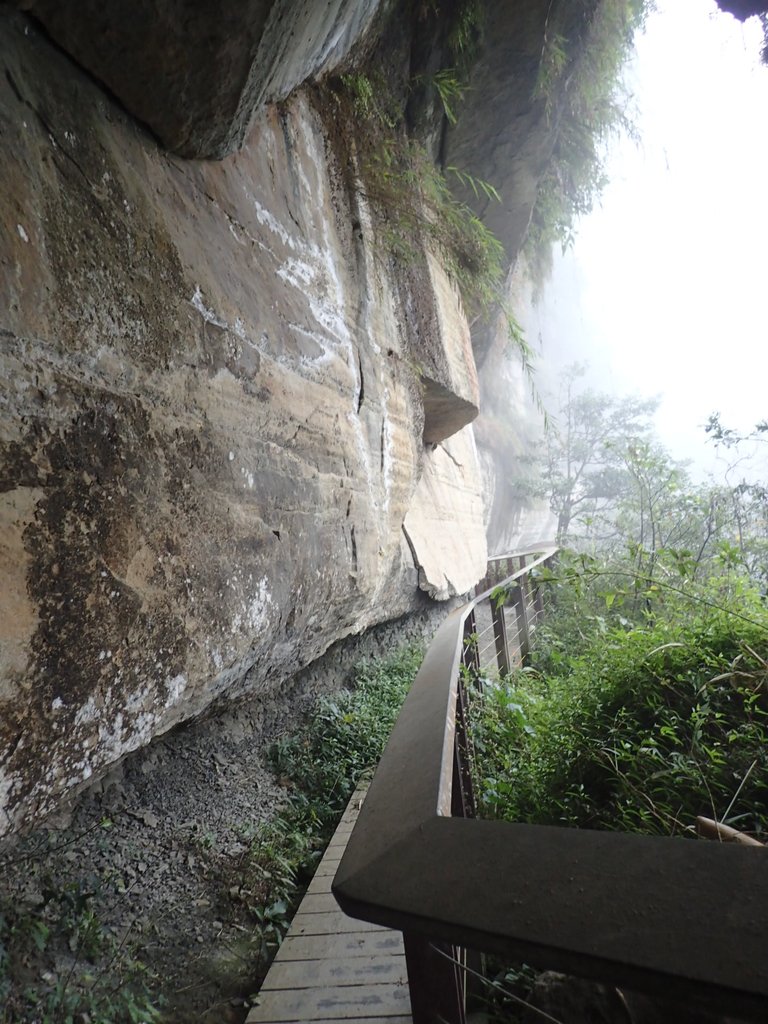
(344, 738)
(638, 728)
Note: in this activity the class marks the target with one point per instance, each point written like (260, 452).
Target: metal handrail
(673, 917)
(549, 546)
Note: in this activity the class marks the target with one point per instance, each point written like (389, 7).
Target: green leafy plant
(455, 33)
(373, 101)
(273, 921)
(418, 209)
(408, 193)
(464, 35)
(636, 727)
(86, 974)
(450, 89)
(321, 765)
(344, 738)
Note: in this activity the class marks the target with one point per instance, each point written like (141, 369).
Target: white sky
(671, 270)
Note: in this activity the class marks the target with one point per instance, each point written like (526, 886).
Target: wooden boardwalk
(331, 968)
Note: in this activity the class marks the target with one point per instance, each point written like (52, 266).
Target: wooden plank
(359, 970)
(334, 923)
(327, 869)
(321, 883)
(331, 968)
(374, 1020)
(319, 903)
(346, 1002)
(351, 944)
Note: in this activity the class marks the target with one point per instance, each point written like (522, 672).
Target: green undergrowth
(415, 210)
(407, 188)
(418, 207)
(321, 765)
(60, 965)
(343, 739)
(411, 197)
(636, 728)
(627, 720)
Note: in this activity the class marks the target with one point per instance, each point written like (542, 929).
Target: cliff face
(198, 77)
(509, 431)
(234, 427)
(504, 135)
(212, 429)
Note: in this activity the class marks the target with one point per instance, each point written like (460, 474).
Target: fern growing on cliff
(408, 194)
(420, 207)
(412, 199)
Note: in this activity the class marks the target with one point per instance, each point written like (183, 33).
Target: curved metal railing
(673, 917)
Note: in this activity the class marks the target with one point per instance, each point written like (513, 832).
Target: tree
(744, 494)
(617, 492)
(671, 527)
(585, 471)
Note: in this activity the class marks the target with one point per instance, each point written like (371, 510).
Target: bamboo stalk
(707, 828)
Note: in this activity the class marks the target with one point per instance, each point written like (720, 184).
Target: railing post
(522, 623)
(436, 984)
(500, 636)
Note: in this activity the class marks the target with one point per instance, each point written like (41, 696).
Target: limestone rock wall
(211, 422)
(449, 494)
(509, 432)
(504, 135)
(198, 75)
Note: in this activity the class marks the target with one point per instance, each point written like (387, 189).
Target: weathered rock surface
(508, 433)
(449, 494)
(450, 388)
(211, 422)
(198, 76)
(503, 135)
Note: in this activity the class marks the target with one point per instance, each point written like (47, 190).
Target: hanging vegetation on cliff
(585, 49)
